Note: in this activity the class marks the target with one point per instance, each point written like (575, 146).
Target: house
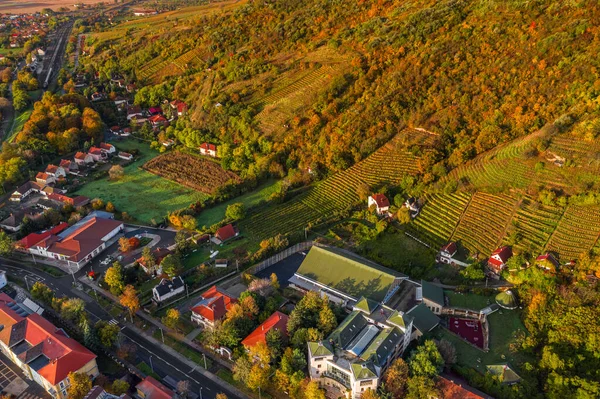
(76, 245)
(212, 307)
(413, 206)
(224, 234)
(157, 120)
(424, 320)
(138, 120)
(450, 387)
(159, 254)
(130, 88)
(76, 202)
(69, 166)
(447, 252)
(345, 277)
(497, 262)
(44, 179)
(134, 110)
(45, 353)
(380, 202)
(547, 262)
(107, 148)
(82, 158)
(507, 300)
(97, 154)
(97, 96)
(359, 351)
(125, 155)
(97, 392)
(14, 222)
(179, 107)
(25, 191)
(149, 388)
(115, 130)
(168, 143)
(277, 322)
(168, 288)
(208, 150)
(219, 263)
(55, 171)
(503, 373)
(126, 132)
(144, 13)
(432, 296)
(120, 101)
(46, 203)
(155, 111)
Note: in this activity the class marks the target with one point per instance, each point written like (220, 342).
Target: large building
(44, 352)
(345, 277)
(355, 355)
(74, 246)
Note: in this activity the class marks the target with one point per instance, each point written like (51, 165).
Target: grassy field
(8, 50)
(144, 196)
(468, 301)
(27, 6)
(18, 124)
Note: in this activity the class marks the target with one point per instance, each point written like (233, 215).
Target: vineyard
(338, 193)
(438, 217)
(574, 148)
(576, 233)
(484, 222)
(534, 224)
(200, 174)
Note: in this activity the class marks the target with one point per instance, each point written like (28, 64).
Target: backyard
(468, 300)
(145, 197)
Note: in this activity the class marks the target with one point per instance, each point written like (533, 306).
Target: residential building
(81, 158)
(277, 322)
(424, 320)
(450, 387)
(432, 296)
(69, 166)
(504, 373)
(380, 202)
(25, 191)
(212, 307)
(97, 154)
(447, 253)
(157, 120)
(345, 277)
(168, 288)
(144, 13)
(149, 388)
(155, 111)
(134, 111)
(14, 222)
(44, 178)
(159, 254)
(356, 355)
(547, 262)
(107, 148)
(125, 155)
(208, 150)
(45, 353)
(179, 107)
(224, 234)
(55, 171)
(76, 202)
(497, 262)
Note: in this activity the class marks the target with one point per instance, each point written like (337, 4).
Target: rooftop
(432, 292)
(277, 321)
(424, 319)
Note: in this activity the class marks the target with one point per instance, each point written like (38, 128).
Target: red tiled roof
(95, 151)
(450, 248)
(65, 354)
(41, 176)
(157, 118)
(206, 146)
(65, 163)
(549, 257)
(153, 389)
(51, 169)
(503, 253)
(80, 155)
(277, 321)
(34, 238)
(215, 306)
(381, 200)
(451, 390)
(180, 105)
(225, 233)
(106, 146)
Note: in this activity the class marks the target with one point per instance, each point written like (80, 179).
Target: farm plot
(576, 233)
(535, 223)
(190, 171)
(573, 148)
(484, 222)
(439, 217)
(338, 192)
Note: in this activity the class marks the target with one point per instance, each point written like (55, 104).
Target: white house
(208, 149)
(168, 288)
(107, 148)
(82, 158)
(56, 171)
(44, 178)
(380, 202)
(25, 190)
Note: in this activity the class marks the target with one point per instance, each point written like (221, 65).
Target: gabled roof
(451, 248)
(381, 200)
(214, 304)
(159, 255)
(276, 321)
(321, 348)
(504, 373)
(503, 254)
(34, 238)
(80, 155)
(28, 186)
(348, 329)
(424, 319)
(206, 146)
(52, 169)
(153, 389)
(225, 233)
(400, 319)
(106, 146)
(157, 119)
(433, 292)
(366, 305)
(381, 347)
(453, 388)
(363, 371)
(548, 257)
(165, 286)
(42, 176)
(95, 151)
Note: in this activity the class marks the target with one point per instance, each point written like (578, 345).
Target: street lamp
(200, 392)
(151, 366)
(27, 283)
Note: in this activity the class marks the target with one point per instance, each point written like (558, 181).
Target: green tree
(42, 292)
(235, 211)
(81, 384)
(107, 333)
(426, 360)
(119, 387)
(403, 215)
(149, 259)
(114, 278)
(171, 318)
(312, 391)
(6, 244)
(171, 265)
(73, 309)
(421, 387)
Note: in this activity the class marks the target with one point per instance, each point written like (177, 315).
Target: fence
(302, 246)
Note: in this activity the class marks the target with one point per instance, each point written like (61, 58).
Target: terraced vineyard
(484, 222)
(535, 224)
(576, 233)
(337, 193)
(571, 147)
(439, 216)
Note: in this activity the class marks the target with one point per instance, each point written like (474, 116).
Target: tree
(274, 281)
(363, 191)
(110, 207)
(72, 309)
(370, 394)
(107, 333)
(327, 320)
(130, 300)
(171, 319)
(235, 211)
(119, 387)
(124, 244)
(421, 387)
(171, 265)
(403, 215)
(312, 391)
(241, 369)
(426, 360)
(221, 396)
(6, 244)
(116, 172)
(81, 384)
(183, 388)
(42, 292)
(114, 278)
(182, 243)
(396, 378)
(149, 259)
(447, 351)
(258, 377)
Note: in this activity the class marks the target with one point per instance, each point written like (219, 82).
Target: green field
(144, 196)
(18, 124)
(6, 51)
(468, 301)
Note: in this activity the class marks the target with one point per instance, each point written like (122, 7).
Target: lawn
(215, 214)
(9, 50)
(196, 258)
(468, 301)
(145, 197)
(18, 124)
(144, 368)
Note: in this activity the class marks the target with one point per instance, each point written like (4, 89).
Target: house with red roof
(155, 110)
(208, 150)
(149, 388)
(55, 171)
(44, 178)
(81, 158)
(212, 307)
(497, 262)
(125, 155)
(179, 107)
(134, 111)
(159, 254)
(69, 166)
(97, 154)
(76, 202)
(225, 233)
(45, 353)
(380, 202)
(277, 321)
(547, 262)
(107, 148)
(450, 387)
(157, 120)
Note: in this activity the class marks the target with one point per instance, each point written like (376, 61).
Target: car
(106, 260)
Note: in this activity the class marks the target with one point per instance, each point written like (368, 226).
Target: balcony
(336, 378)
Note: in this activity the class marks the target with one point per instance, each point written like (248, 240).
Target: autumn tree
(312, 391)
(235, 211)
(116, 172)
(171, 318)
(81, 384)
(119, 387)
(92, 125)
(183, 388)
(274, 281)
(396, 378)
(447, 351)
(403, 215)
(363, 191)
(42, 292)
(221, 396)
(6, 244)
(108, 334)
(130, 300)
(114, 278)
(124, 244)
(149, 259)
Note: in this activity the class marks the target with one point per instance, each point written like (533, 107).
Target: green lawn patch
(144, 368)
(9, 50)
(17, 125)
(145, 197)
(193, 259)
(468, 300)
(182, 348)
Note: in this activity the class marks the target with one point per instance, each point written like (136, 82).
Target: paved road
(284, 269)
(163, 362)
(55, 53)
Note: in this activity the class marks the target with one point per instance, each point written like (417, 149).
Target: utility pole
(162, 334)
(151, 366)
(237, 265)
(260, 397)
(204, 357)
(27, 283)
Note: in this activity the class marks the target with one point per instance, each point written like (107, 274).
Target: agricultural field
(144, 196)
(574, 148)
(576, 233)
(483, 225)
(338, 193)
(438, 217)
(534, 224)
(29, 6)
(191, 171)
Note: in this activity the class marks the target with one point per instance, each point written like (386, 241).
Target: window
(64, 393)
(317, 372)
(61, 385)
(364, 383)
(318, 366)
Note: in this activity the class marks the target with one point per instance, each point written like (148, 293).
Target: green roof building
(507, 300)
(504, 373)
(433, 296)
(424, 319)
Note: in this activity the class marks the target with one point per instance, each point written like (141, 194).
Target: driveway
(284, 269)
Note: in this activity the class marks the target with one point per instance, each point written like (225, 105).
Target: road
(55, 54)
(164, 363)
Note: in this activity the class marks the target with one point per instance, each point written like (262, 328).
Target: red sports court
(468, 329)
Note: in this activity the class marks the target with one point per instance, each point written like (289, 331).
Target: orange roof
(51, 169)
(206, 146)
(214, 304)
(276, 321)
(157, 118)
(80, 155)
(452, 390)
(95, 151)
(65, 163)
(34, 238)
(153, 389)
(106, 146)
(381, 200)
(41, 176)
(65, 355)
(225, 233)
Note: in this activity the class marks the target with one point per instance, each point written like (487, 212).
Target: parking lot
(14, 383)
